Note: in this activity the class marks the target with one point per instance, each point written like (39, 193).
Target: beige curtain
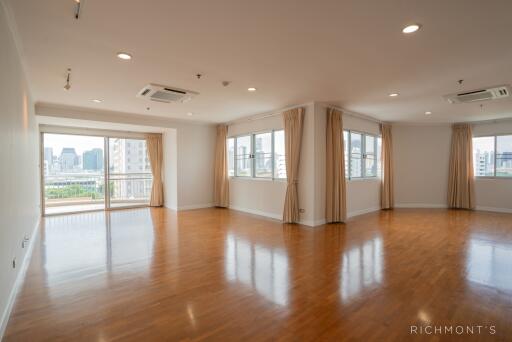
(293, 121)
(155, 154)
(387, 200)
(335, 206)
(461, 181)
(221, 177)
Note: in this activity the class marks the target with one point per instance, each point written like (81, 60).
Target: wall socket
(302, 211)
(24, 242)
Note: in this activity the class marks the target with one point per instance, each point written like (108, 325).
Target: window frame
(495, 137)
(253, 155)
(363, 154)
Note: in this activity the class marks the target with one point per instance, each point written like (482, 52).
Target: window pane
(379, 156)
(483, 156)
(263, 155)
(355, 155)
(279, 158)
(231, 156)
(370, 165)
(504, 156)
(130, 179)
(345, 152)
(243, 156)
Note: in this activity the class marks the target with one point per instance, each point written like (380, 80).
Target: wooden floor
(220, 275)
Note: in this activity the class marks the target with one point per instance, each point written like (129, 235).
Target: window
(504, 156)
(279, 160)
(259, 155)
(243, 156)
(492, 156)
(362, 155)
(263, 155)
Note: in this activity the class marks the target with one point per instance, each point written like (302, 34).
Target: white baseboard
(421, 205)
(257, 212)
(19, 280)
(362, 211)
(195, 206)
(496, 210)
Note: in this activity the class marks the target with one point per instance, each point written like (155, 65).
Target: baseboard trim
(362, 212)
(195, 206)
(257, 212)
(19, 280)
(421, 205)
(495, 210)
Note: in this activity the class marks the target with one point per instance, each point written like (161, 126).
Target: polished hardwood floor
(221, 275)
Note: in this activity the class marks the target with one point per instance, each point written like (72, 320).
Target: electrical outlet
(302, 211)
(14, 263)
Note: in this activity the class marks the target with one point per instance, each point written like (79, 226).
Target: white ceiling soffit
(350, 53)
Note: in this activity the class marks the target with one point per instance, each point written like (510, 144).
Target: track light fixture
(77, 9)
(68, 78)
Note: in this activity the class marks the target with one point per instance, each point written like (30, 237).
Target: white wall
(195, 143)
(19, 175)
(170, 174)
(420, 162)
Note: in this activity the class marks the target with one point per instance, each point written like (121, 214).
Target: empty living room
(232, 170)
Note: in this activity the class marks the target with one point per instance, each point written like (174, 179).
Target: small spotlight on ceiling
(251, 89)
(428, 113)
(190, 114)
(97, 100)
(411, 28)
(124, 55)
(393, 95)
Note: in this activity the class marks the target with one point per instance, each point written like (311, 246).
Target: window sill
(490, 177)
(259, 179)
(371, 179)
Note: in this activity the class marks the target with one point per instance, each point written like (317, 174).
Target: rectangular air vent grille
(155, 92)
(491, 93)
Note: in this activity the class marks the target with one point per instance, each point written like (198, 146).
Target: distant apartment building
(129, 163)
(69, 160)
(93, 160)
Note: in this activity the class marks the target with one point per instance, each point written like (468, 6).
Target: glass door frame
(106, 136)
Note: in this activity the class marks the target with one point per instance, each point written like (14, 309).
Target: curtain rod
(355, 114)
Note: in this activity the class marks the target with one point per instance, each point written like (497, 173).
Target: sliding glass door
(74, 173)
(129, 175)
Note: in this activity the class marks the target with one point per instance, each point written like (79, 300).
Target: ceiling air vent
(165, 94)
(492, 93)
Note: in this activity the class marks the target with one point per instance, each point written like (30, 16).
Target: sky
(487, 143)
(78, 142)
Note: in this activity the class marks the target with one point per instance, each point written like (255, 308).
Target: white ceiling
(350, 53)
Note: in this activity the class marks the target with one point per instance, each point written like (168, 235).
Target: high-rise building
(48, 160)
(68, 159)
(93, 159)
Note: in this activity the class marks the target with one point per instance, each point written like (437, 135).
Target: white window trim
(252, 156)
(363, 155)
(495, 136)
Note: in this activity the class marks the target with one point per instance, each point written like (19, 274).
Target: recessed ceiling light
(411, 28)
(190, 114)
(393, 95)
(124, 55)
(97, 100)
(251, 89)
(428, 113)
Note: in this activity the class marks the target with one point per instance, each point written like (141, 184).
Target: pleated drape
(221, 177)
(293, 125)
(387, 200)
(155, 154)
(461, 180)
(335, 205)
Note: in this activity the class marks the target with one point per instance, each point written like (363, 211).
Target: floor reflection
(362, 268)
(488, 263)
(262, 268)
(91, 244)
